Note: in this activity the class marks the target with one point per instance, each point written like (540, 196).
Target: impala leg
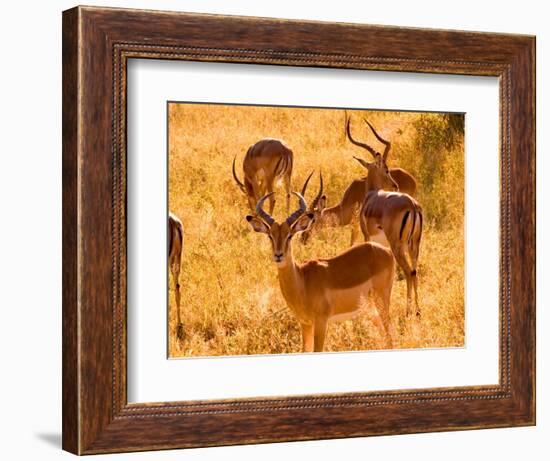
(287, 188)
(271, 204)
(320, 331)
(414, 250)
(409, 294)
(178, 303)
(382, 320)
(307, 337)
(399, 254)
(364, 227)
(354, 229)
(415, 285)
(272, 198)
(180, 333)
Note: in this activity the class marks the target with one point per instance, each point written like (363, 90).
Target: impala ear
(364, 163)
(303, 223)
(322, 202)
(257, 224)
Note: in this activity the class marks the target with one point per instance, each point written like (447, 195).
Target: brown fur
(399, 216)
(175, 250)
(322, 289)
(347, 211)
(266, 162)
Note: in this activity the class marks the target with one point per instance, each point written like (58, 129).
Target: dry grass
(231, 301)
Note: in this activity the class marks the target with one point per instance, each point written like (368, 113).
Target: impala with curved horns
(266, 163)
(175, 249)
(404, 180)
(323, 290)
(347, 211)
(398, 216)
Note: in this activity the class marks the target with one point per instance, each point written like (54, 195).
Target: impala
(346, 212)
(323, 290)
(396, 215)
(266, 163)
(175, 249)
(404, 180)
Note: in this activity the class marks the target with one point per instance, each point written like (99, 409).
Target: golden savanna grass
(231, 300)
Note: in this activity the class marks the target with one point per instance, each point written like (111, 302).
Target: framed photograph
(279, 230)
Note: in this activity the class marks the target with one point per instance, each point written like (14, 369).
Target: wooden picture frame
(97, 44)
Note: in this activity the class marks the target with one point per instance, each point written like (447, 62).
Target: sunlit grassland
(231, 300)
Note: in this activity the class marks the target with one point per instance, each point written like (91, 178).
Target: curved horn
(260, 210)
(357, 143)
(299, 212)
(382, 140)
(319, 194)
(306, 183)
(239, 183)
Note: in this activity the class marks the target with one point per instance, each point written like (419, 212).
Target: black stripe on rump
(413, 226)
(403, 224)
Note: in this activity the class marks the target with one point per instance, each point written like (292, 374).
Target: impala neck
(370, 184)
(290, 280)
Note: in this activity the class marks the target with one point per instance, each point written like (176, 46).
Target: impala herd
(327, 289)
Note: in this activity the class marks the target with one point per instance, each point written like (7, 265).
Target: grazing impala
(323, 290)
(175, 249)
(398, 216)
(266, 163)
(347, 211)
